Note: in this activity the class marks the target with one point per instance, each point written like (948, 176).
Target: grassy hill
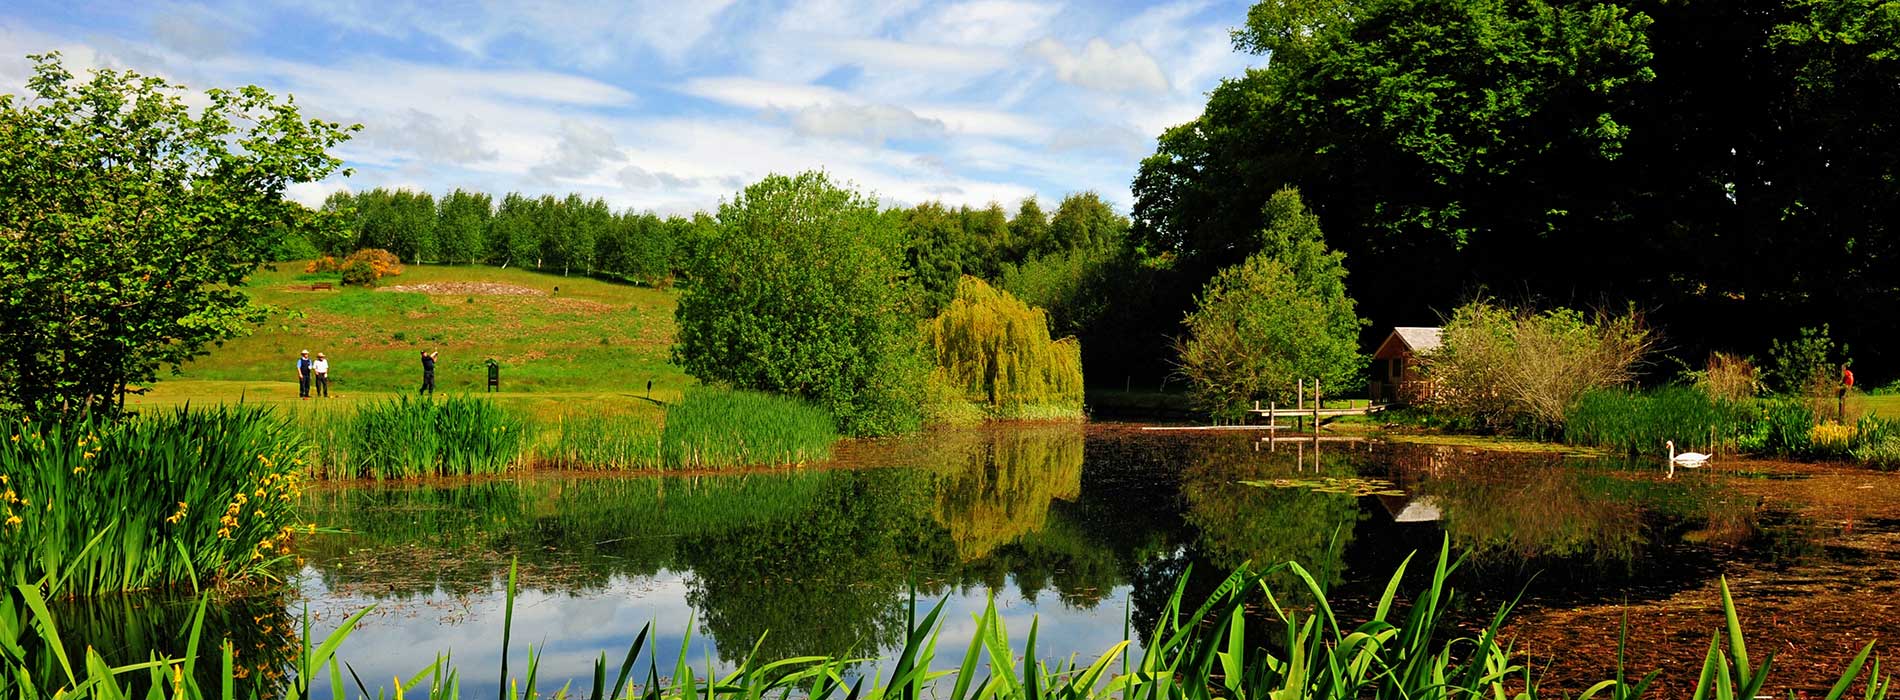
(565, 344)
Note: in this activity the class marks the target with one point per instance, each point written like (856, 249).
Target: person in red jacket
(1847, 383)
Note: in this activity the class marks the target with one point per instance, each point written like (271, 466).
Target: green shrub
(189, 492)
(1785, 428)
(1807, 364)
(995, 352)
(713, 427)
(405, 438)
(1523, 370)
(800, 289)
(1639, 423)
(359, 273)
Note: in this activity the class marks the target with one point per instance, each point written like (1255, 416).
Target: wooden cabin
(1397, 365)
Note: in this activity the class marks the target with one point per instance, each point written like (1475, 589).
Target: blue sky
(672, 106)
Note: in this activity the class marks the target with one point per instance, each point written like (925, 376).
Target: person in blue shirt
(303, 375)
(428, 373)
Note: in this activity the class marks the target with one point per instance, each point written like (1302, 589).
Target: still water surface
(1085, 528)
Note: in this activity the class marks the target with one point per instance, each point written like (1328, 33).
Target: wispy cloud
(671, 106)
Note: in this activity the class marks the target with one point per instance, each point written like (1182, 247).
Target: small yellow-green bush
(994, 352)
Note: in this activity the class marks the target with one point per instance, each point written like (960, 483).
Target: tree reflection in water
(824, 559)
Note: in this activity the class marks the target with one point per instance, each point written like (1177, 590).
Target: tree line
(1733, 167)
(570, 235)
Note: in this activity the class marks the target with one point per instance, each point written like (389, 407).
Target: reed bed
(594, 441)
(712, 427)
(1639, 423)
(1202, 652)
(193, 494)
(405, 438)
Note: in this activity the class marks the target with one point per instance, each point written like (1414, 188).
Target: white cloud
(429, 137)
(581, 151)
(1002, 23)
(1103, 66)
(873, 124)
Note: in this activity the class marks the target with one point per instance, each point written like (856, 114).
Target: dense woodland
(1730, 166)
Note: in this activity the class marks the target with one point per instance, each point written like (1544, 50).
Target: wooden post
(1316, 409)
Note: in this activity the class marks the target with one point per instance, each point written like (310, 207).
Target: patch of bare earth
(465, 289)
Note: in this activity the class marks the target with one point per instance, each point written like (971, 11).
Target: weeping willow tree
(995, 359)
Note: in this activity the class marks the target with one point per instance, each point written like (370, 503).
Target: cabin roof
(1420, 339)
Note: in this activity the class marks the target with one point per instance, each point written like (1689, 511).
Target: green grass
(591, 345)
(597, 441)
(165, 499)
(404, 438)
(1639, 423)
(1405, 648)
(719, 427)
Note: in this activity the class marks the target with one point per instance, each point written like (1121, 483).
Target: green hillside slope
(564, 343)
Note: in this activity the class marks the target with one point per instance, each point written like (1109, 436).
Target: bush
(1280, 316)
(193, 494)
(1807, 365)
(994, 351)
(1639, 423)
(381, 262)
(800, 289)
(323, 265)
(1786, 429)
(1727, 377)
(359, 273)
(1520, 369)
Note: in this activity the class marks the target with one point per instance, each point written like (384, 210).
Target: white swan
(1687, 459)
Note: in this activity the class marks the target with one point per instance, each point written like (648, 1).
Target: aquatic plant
(406, 437)
(715, 427)
(996, 353)
(190, 494)
(1206, 652)
(1639, 422)
(596, 441)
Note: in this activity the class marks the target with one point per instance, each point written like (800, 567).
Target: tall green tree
(400, 221)
(1085, 220)
(512, 230)
(938, 248)
(1028, 230)
(801, 289)
(462, 220)
(1280, 316)
(128, 225)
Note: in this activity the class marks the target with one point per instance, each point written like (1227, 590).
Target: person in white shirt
(321, 368)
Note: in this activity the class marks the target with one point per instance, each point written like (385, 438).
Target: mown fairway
(566, 344)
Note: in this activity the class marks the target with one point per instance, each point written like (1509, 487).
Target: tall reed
(1206, 652)
(1639, 423)
(713, 427)
(94, 506)
(406, 438)
(595, 441)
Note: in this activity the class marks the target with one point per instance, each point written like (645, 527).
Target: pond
(1086, 528)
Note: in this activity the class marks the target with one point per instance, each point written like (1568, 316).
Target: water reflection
(1088, 527)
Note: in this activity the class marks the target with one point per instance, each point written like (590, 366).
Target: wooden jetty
(1301, 412)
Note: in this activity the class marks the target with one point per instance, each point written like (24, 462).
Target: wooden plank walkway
(1276, 413)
